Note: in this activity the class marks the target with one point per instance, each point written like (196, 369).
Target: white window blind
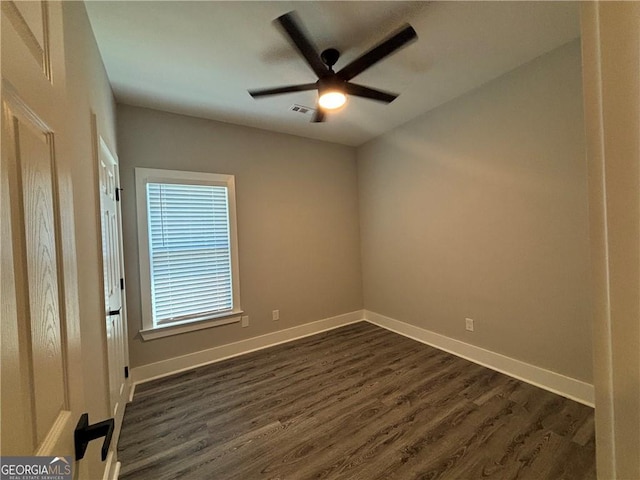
(189, 251)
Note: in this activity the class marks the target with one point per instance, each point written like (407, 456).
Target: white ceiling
(199, 58)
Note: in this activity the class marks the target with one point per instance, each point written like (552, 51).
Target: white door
(115, 310)
(42, 393)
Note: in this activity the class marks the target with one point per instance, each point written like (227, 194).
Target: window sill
(192, 326)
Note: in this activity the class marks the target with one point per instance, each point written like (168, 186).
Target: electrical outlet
(469, 324)
(275, 315)
(245, 321)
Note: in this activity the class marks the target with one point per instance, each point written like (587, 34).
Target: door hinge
(126, 372)
(118, 190)
(122, 284)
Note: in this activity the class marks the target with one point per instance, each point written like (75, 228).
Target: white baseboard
(151, 371)
(554, 382)
(112, 468)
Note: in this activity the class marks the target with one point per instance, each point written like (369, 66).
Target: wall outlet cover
(469, 324)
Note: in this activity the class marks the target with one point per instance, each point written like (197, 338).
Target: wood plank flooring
(358, 402)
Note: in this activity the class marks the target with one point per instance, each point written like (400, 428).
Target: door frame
(112, 466)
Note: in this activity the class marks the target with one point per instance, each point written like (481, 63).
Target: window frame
(143, 176)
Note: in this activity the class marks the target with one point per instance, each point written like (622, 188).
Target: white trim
(132, 391)
(116, 471)
(170, 366)
(108, 466)
(112, 468)
(175, 329)
(554, 382)
(153, 175)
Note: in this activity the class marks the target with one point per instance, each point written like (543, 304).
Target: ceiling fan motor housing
(331, 83)
(330, 56)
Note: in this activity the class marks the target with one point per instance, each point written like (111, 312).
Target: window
(188, 251)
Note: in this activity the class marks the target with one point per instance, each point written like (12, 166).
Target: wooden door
(42, 392)
(112, 263)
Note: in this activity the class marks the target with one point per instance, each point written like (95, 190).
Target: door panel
(111, 267)
(34, 157)
(112, 264)
(30, 20)
(30, 161)
(15, 377)
(40, 324)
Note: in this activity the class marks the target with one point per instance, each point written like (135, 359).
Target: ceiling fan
(333, 87)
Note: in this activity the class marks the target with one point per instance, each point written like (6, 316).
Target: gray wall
(479, 209)
(476, 209)
(297, 209)
(89, 94)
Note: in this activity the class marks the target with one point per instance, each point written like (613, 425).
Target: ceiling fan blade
(319, 116)
(293, 27)
(396, 41)
(371, 93)
(279, 90)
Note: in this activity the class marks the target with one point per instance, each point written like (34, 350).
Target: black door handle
(84, 433)
(114, 312)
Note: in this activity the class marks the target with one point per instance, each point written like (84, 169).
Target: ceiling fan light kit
(331, 91)
(332, 100)
(333, 87)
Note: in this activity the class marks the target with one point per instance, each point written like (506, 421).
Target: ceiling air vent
(302, 109)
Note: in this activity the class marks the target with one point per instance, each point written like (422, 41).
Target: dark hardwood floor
(358, 402)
